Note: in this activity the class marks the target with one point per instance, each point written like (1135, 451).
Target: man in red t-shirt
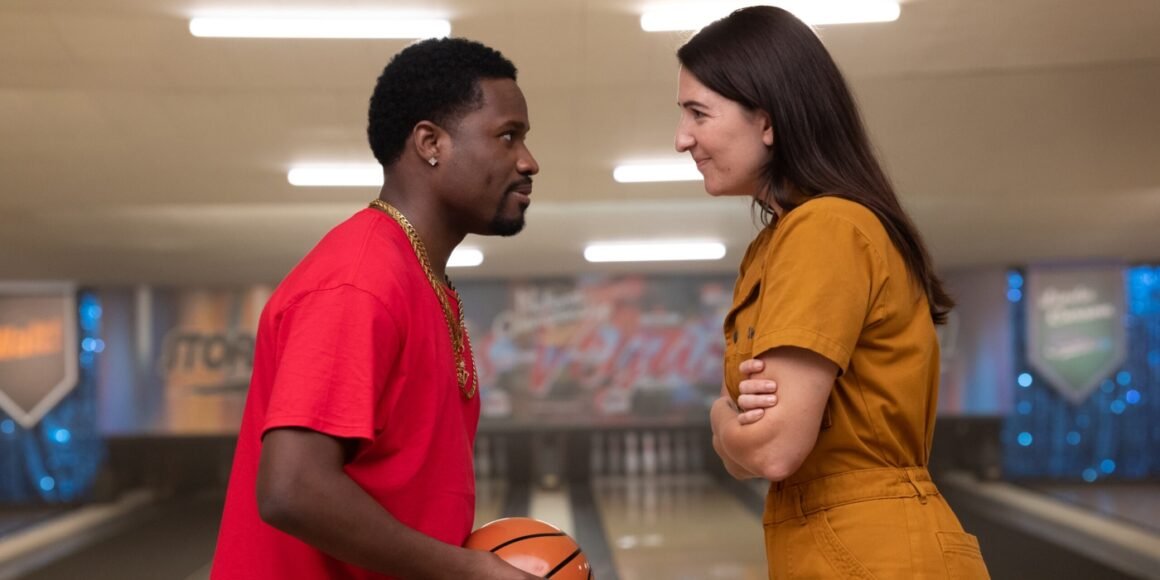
(355, 453)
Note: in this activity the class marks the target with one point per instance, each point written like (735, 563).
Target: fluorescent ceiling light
(465, 258)
(643, 172)
(654, 251)
(366, 175)
(330, 25)
(694, 16)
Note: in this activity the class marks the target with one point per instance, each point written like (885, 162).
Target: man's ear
(427, 139)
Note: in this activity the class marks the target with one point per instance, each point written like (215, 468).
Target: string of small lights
(57, 460)
(1115, 432)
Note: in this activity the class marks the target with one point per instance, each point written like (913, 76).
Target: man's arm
(303, 491)
(775, 445)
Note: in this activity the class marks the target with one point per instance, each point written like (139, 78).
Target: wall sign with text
(1075, 326)
(38, 348)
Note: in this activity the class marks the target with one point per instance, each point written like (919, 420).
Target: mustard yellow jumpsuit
(828, 279)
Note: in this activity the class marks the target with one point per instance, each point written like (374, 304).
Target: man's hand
(492, 567)
(757, 395)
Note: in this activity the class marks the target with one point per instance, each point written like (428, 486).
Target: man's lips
(522, 194)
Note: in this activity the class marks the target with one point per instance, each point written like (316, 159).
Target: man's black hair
(433, 80)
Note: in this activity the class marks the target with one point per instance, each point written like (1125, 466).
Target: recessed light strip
(465, 257)
(367, 175)
(694, 16)
(654, 251)
(328, 26)
(652, 172)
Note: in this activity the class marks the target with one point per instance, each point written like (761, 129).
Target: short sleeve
(336, 347)
(818, 284)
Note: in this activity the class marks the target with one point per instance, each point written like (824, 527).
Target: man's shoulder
(368, 252)
(365, 239)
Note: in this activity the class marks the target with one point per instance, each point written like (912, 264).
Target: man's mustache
(525, 183)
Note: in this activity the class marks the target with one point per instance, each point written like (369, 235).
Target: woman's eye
(507, 137)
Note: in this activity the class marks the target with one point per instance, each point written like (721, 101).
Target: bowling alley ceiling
(131, 151)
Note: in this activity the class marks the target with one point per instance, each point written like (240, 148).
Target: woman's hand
(757, 395)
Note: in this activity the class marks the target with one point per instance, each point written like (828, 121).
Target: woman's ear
(766, 129)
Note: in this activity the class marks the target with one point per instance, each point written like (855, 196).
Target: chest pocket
(741, 328)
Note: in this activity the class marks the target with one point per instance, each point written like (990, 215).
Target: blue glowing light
(1024, 407)
(62, 435)
(1014, 295)
(1107, 386)
(88, 345)
(1025, 380)
(1124, 377)
(47, 483)
(1107, 466)
(1132, 397)
(8, 426)
(1073, 437)
(1025, 439)
(90, 313)
(1118, 407)
(1014, 279)
(99, 345)
(1090, 475)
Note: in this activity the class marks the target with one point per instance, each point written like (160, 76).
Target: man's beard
(506, 227)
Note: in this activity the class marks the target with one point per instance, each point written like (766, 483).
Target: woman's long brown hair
(766, 59)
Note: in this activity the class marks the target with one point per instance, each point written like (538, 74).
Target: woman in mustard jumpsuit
(838, 300)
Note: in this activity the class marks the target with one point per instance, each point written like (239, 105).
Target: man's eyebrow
(518, 125)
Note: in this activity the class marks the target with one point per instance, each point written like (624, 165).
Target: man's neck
(439, 238)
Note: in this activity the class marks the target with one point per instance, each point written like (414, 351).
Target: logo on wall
(598, 348)
(206, 356)
(38, 349)
(1076, 334)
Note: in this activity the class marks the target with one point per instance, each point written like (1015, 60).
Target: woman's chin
(720, 192)
(714, 189)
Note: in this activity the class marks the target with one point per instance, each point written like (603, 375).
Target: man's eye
(507, 136)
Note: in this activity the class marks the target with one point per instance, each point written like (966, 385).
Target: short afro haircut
(433, 80)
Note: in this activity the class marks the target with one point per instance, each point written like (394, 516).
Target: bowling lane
(678, 526)
(490, 496)
(1137, 503)
(175, 540)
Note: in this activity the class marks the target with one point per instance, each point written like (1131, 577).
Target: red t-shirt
(354, 344)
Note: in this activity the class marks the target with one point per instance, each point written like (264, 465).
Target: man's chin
(507, 227)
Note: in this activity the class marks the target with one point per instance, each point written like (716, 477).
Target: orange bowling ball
(533, 546)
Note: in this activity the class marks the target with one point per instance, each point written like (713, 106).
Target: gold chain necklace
(460, 342)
